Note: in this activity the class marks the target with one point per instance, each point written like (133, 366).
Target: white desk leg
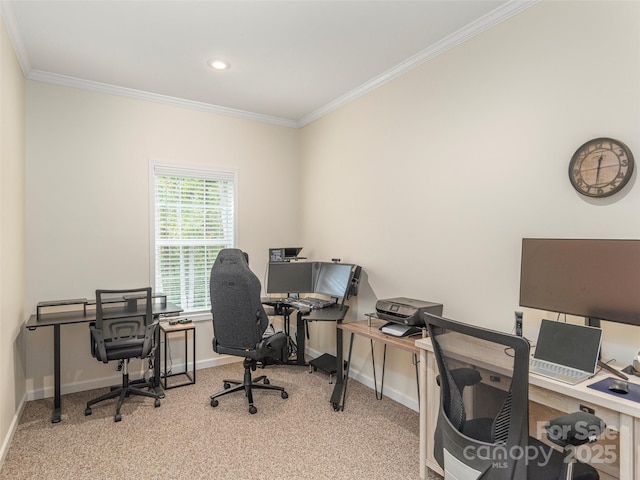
(432, 410)
(627, 447)
(422, 385)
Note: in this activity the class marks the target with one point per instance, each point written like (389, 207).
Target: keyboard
(308, 303)
(557, 372)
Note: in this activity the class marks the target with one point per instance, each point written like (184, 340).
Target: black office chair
(483, 419)
(124, 329)
(239, 322)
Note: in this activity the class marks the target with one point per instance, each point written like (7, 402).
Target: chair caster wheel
(252, 409)
(336, 407)
(87, 411)
(227, 385)
(117, 418)
(214, 402)
(266, 381)
(156, 404)
(284, 394)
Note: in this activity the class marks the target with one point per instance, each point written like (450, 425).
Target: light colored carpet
(300, 438)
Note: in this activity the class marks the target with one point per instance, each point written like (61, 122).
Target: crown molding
(506, 11)
(499, 15)
(74, 82)
(8, 18)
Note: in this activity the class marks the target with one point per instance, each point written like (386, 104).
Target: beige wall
(431, 181)
(12, 238)
(88, 203)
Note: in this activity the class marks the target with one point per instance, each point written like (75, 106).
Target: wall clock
(601, 167)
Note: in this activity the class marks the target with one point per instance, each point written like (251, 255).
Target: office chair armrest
(98, 348)
(149, 338)
(92, 342)
(574, 429)
(271, 346)
(464, 377)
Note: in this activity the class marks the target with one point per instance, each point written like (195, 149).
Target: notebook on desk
(566, 352)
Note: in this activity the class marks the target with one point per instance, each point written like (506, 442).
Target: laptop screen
(575, 346)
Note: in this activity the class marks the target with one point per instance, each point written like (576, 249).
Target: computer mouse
(618, 386)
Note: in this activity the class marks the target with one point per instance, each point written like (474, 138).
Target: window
(194, 218)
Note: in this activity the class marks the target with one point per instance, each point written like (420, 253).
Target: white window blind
(194, 214)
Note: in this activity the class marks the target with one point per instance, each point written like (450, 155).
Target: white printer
(406, 310)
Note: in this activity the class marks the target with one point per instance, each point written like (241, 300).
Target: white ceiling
(291, 61)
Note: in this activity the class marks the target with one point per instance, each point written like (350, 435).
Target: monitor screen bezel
(593, 278)
(327, 269)
(290, 277)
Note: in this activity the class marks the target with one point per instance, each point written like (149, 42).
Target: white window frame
(169, 169)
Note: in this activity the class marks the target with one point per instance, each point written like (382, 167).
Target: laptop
(566, 352)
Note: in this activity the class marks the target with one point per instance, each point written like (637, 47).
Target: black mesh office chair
(239, 321)
(483, 420)
(124, 329)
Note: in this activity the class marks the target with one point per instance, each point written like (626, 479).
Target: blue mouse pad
(603, 386)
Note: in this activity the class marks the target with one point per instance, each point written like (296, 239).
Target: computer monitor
(334, 279)
(290, 277)
(594, 278)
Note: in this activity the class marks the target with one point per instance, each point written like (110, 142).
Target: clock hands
(598, 170)
(601, 167)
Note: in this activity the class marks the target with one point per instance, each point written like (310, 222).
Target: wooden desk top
(362, 328)
(579, 391)
(177, 327)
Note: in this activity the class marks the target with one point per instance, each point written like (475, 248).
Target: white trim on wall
(8, 18)
(500, 14)
(493, 18)
(39, 75)
(6, 443)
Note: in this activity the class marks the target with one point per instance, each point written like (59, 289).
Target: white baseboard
(201, 364)
(12, 430)
(216, 361)
(92, 384)
(75, 387)
(81, 386)
(395, 395)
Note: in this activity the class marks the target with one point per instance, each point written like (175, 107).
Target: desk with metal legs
(333, 313)
(86, 315)
(281, 308)
(371, 329)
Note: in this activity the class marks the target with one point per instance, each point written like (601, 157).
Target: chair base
(248, 385)
(121, 393)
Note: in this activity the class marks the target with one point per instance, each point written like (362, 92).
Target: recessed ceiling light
(218, 64)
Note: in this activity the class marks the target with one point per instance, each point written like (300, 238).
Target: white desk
(548, 398)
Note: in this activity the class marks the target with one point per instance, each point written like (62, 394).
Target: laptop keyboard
(558, 372)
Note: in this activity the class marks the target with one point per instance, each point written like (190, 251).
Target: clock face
(601, 167)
